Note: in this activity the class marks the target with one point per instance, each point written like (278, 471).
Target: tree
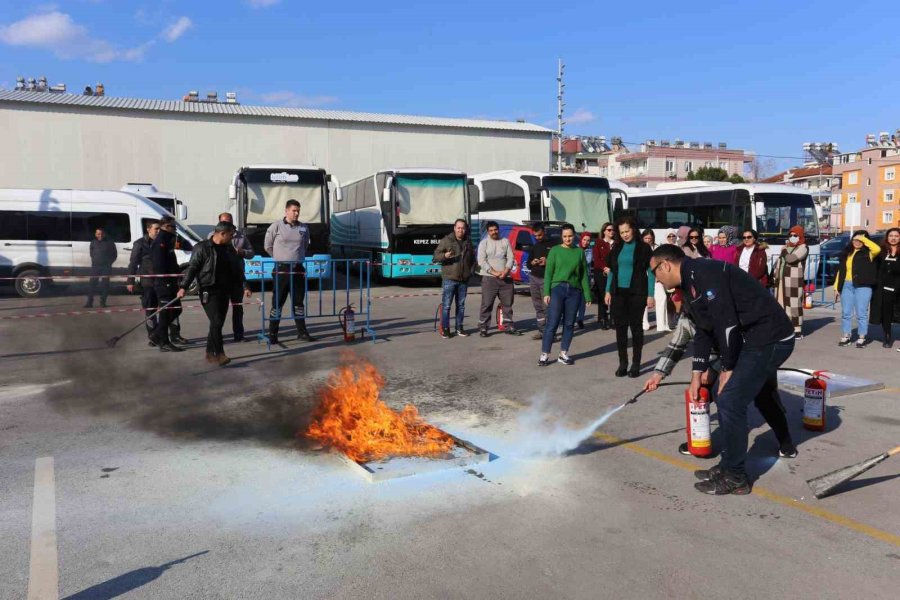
(758, 169)
(708, 174)
(736, 179)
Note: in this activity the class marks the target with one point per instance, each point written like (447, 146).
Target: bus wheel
(28, 284)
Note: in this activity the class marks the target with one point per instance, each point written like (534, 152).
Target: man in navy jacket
(754, 337)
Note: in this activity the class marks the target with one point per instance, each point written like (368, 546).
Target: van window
(116, 225)
(13, 225)
(49, 226)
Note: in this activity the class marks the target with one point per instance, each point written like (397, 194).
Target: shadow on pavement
(127, 582)
(591, 445)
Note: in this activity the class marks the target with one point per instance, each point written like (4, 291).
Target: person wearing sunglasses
(694, 246)
(672, 238)
(752, 258)
(602, 248)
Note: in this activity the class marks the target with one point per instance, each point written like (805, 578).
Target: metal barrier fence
(327, 285)
(818, 275)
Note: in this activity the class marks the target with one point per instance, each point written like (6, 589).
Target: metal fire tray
(463, 454)
(838, 385)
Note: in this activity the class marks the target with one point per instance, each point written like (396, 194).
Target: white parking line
(43, 580)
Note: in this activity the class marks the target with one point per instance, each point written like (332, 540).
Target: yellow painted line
(43, 578)
(762, 492)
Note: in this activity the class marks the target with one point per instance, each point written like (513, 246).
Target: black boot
(302, 333)
(635, 369)
(175, 335)
(273, 332)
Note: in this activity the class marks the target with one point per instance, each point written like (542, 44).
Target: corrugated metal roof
(175, 106)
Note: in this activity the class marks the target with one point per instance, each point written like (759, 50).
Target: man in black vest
(754, 337)
(103, 255)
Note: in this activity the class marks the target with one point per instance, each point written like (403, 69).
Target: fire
(351, 418)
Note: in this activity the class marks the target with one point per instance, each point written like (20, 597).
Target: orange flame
(352, 419)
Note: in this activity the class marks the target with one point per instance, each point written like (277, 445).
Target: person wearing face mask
(629, 288)
(885, 309)
(790, 277)
(857, 276)
(602, 248)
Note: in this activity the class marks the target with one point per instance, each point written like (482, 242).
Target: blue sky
(764, 76)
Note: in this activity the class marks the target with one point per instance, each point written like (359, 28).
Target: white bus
(259, 194)
(770, 209)
(396, 218)
(517, 197)
(48, 233)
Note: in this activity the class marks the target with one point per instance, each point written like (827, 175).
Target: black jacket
(865, 270)
(203, 267)
(539, 250)
(162, 257)
(103, 253)
(731, 310)
(888, 287)
(140, 260)
(458, 267)
(639, 281)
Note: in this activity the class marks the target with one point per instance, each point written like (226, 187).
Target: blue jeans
(564, 302)
(756, 368)
(458, 290)
(855, 299)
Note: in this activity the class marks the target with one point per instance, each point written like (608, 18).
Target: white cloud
(177, 29)
(579, 117)
(293, 99)
(58, 33)
(262, 3)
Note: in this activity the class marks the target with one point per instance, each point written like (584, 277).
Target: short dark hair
(567, 226)
(753, 232)
(166, 220)
(463, 221)
(626, 220)
(490, 224)
(151, 223)
(291, 203)
(535, 227)
(96, 229)
(223, 226)
(669, 252)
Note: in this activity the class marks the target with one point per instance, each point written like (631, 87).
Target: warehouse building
(194, 148)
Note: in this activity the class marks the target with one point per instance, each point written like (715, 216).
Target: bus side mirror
(232, 192)
(339, 194)
(760, 209)
(386, 194)
(180, 211)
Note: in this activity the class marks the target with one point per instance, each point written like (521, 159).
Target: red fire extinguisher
(699, 440)
(807, 300)
(348, 323)
(815, 390)
(500, 325)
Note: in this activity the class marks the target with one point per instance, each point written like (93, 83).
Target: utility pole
(560, 86)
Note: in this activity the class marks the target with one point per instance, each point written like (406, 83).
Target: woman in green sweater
(566, 285)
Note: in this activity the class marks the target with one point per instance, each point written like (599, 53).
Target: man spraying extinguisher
(754, 336)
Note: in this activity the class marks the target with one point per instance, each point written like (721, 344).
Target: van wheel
(28, 285)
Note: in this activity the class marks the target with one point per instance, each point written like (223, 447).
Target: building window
(853, 178)
(670, 165)
(867, 223)
(887, 217)
(723, 165)
(888, 195)
(889, 174)
(708, 164)
(868, 203)
(870, 160)
(688, 165)
(868, 181)
(851, 197)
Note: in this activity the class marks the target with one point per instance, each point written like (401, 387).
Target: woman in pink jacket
(727, 249)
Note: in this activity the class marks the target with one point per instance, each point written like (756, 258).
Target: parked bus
(259, 194)
(48, 233)
(771, 209)
(520, 197)
(396, 218)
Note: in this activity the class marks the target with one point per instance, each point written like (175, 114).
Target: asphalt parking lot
(174, 479)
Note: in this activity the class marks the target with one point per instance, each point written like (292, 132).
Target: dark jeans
(291, 280)
(768, 403)
(564, 302)
(492, 289)
(215, 302)
(600, 290)
(99, 275)
(536, 289)
(237, 313)
(149, 303)
(453, 290)
(888, 300)
(165, 292)
(628, 311)
(756, 368)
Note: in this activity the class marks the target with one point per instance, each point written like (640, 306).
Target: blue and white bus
(396, 218)
(259, 193)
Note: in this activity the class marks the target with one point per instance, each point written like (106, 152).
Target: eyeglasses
(608, 229)
(695, 237)
(658, 265)
(748, 237)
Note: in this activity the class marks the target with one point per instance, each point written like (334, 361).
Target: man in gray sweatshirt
(287, 240)
(496, 259)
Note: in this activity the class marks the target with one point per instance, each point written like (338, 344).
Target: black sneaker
(861, 342)
(844, 341)
(482, 333)
(512, 331)
(169, 347)
(706, 474)
(461, 333)
(543, 361)
(683, 449)
(566, 360)
(445, 333)
(634, 371)
(580, 324)
(305, 337)
(726, 483)
(787, 450)
(177, 339)
(621, 371)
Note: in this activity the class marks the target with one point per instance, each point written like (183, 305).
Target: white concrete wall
(195, 156)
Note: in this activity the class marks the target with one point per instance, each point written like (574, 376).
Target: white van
(169, 202)
(48, 233)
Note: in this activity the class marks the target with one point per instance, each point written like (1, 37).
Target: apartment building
(871, 177)
(652, 162)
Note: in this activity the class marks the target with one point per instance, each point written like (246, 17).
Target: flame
(351, 418)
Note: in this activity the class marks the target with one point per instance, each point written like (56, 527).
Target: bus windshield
(783, 211)
(268, 192)
(581, 201)
(430, 200)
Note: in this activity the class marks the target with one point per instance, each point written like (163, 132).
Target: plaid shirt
(684, 333)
